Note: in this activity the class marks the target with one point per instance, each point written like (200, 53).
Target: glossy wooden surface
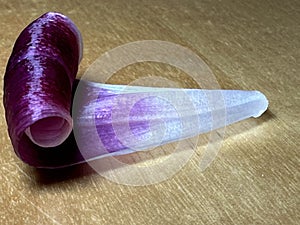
(255, 178)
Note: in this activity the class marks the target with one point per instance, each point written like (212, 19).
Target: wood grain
(255, 178)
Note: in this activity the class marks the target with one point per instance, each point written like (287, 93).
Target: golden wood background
(255, 178)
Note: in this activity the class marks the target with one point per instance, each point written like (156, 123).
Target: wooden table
(249, 45)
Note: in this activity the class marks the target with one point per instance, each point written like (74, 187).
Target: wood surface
(255, 179)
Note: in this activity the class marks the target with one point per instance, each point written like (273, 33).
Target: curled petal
(40, 86)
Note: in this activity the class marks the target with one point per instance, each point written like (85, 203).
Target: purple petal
(40, 86)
